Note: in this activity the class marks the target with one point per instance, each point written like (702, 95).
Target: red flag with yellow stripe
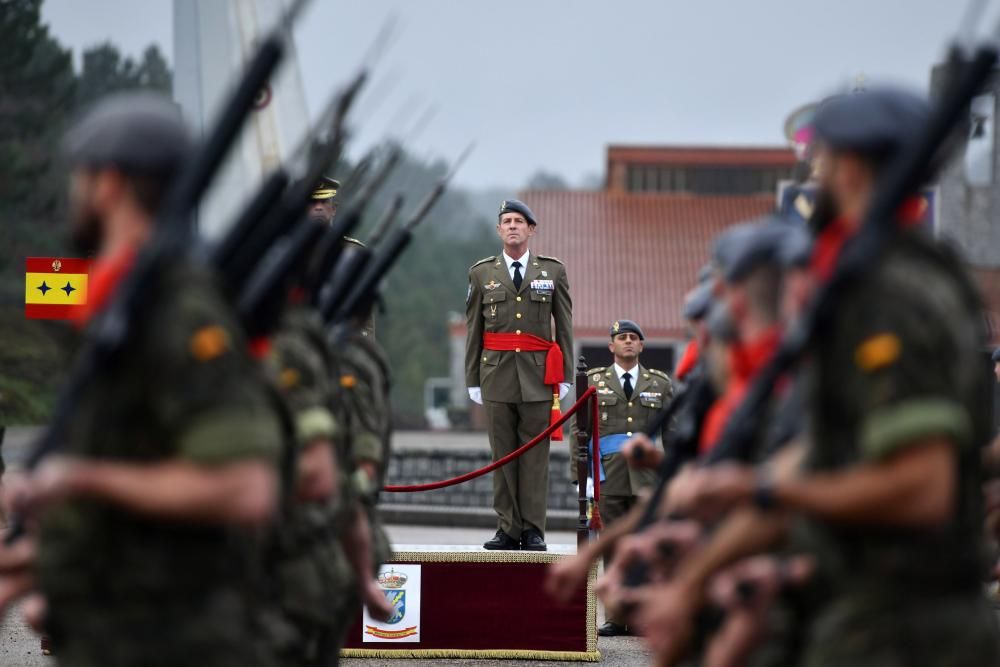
(55, 288)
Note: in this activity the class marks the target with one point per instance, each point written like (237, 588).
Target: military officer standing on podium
(518, 370)
(628, 395)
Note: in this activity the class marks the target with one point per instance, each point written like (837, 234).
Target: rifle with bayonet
(171, 237)
(250, 239)
(907, 171)
(358, 296)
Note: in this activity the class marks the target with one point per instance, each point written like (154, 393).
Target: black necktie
(518, 278)
(627, 385)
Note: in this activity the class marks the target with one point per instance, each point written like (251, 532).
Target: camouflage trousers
(933, 631)
(214, 631)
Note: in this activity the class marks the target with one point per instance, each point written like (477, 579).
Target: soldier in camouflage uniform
(364, 382)
(305, 556)
(889, 488)
(628, 395)
(145, 553)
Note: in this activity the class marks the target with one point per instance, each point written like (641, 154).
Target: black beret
(132, 131)
(697, 302)
(876, 121)
(744, 247)
(796, 246)
(625, 326)
(517, 206)
(996, 355)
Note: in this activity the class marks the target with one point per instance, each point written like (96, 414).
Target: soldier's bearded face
(514, 229)
(85, 222)
(626, 346)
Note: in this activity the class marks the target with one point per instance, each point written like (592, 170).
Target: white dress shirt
(510, 263)
(633, 372)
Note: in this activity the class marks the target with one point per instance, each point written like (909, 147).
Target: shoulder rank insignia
(484, 260)
(209, 342)
(551, 259)
(877, 352)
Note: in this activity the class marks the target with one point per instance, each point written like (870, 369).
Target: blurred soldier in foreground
(888, 486)
(146, 542)
(628, 395)
(364, 382)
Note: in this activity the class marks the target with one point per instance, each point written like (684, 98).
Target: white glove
(590, 488)
(564, 388)
(476, 394)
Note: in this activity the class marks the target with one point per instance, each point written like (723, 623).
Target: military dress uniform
(130, 589)
(518, 402)
(620, 414)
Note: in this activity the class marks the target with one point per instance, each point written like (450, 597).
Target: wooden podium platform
(467, 602)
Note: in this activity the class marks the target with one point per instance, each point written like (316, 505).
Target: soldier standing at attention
(517, 371)
(146, 545)
(628, 394)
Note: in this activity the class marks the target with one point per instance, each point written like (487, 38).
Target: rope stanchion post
(583, 427)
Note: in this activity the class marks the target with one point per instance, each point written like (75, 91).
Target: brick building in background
(633, 250)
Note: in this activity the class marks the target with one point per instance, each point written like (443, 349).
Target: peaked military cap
(326, 188)
(697, 302)
(742, 248)
(996, 355)
(626, 326)
(132, 131)
(874, 121)
(517, 206)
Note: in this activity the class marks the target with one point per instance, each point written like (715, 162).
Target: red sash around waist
(554, 372)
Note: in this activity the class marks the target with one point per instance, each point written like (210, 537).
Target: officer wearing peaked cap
(518, 369)
(324, 202)
(628, 395)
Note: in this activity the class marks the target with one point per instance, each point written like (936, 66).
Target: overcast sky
(547, 84)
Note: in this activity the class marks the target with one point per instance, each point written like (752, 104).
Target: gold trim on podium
(590, 655)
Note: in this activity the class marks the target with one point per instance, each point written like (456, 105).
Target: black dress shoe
(502, 541)
(531, 540)
(610, 629)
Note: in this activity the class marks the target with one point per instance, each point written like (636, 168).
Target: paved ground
(19, 646)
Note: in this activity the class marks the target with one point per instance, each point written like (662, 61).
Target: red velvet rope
(591, 393)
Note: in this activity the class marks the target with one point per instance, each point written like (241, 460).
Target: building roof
(714, 156)
(633, 256)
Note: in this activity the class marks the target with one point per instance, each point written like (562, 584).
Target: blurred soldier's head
(748, 263)
(626, 342)
(323, 206)
(125, 153)
(516, 225)
(856, 136)
(799, 282)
